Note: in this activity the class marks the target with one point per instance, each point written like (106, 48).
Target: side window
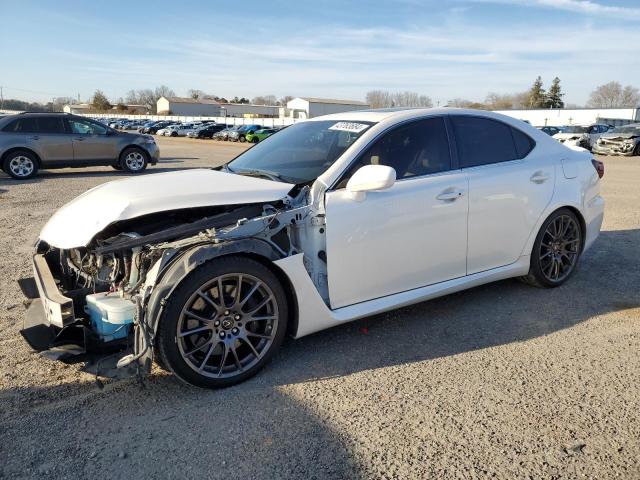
(11, 126)
(27, 125)
(416, 149)
(524, 143)
(50, 125)
(81, 127)
(482, 141)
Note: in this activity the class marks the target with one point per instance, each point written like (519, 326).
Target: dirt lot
(503, 380)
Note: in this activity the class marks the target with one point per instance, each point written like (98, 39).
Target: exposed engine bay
(107, 295)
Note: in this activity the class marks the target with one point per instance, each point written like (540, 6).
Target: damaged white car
(329, 220)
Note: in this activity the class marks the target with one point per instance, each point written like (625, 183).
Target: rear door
(46, 136)
(510, 185)
(92, 145)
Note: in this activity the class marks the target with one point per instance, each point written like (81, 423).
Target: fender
(190, 259)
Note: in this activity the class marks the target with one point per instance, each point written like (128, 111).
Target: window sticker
(349, 127)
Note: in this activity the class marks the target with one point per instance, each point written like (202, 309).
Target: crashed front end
(577, 140)
(100, 302)
(618, 145)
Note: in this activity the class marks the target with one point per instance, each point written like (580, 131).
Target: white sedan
(329, 220)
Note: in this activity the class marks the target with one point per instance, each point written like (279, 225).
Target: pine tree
(554, 97)
(537, 95)
(100, 101)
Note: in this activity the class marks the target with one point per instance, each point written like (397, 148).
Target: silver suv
(30, 141)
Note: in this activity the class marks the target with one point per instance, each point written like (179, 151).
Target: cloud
(586, 7)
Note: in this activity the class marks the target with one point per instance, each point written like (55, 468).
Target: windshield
(633, 129)
(302, 152)
(575, 129)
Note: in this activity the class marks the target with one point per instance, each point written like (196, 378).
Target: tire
(224, 348)
(116, 167)
(256, 139)
(636, 152)
(174, 134)
(556, 250)
(242, 139)
(133, 160)
(20, 164)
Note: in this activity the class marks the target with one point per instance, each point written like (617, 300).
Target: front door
(91, 142)
(408, 236)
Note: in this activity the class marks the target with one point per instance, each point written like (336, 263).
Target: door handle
(35, 137)
(539, 177)
(80, 139)
(449, 195)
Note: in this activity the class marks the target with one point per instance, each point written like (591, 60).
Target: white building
(307, 107)
(78, 108)
(245, 110)
(188, 106)
(575, 116)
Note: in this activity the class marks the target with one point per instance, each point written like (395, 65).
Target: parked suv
(30, 141)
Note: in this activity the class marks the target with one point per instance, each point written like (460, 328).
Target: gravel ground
(503, 381)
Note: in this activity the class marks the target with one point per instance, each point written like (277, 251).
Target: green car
(260, 135)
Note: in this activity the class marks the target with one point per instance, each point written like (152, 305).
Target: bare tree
(384, 99)
(265, 100)
(284, 100)
(464, 103)
(196, 94)
(498, 101)
(612, 95)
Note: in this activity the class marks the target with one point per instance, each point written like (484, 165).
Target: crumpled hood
(618, 136)
(77, 222)
(565, 136)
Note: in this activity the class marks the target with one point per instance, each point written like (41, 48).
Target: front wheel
(133, 160)
(556, 250)
(223, 323)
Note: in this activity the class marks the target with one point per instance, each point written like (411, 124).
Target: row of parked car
(197, 129)
(600, 138)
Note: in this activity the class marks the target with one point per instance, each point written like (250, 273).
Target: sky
(321, 48)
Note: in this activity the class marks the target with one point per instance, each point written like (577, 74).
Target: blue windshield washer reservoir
(111, 315)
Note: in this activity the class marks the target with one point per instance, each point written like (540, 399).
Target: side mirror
(371, 178)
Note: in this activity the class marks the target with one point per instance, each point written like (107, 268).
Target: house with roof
(188, 106)
(309, 107)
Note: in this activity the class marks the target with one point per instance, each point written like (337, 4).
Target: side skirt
(314, 315)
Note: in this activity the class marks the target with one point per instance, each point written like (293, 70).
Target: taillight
(599, 166)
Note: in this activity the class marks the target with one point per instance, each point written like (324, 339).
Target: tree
(497, 101)
(612, 95)
(100, 102)
(284, 100)
(537, 95)
(463, 103)
(196, 94)
(554, 96)
(265, 100)
(384, 99)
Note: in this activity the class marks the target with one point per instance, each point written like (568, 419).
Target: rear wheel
(133, 160)
(20, 165)
(223, 323)
(556, 250)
